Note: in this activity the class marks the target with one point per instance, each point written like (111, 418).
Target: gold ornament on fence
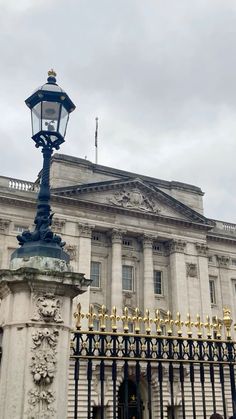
(136, 323)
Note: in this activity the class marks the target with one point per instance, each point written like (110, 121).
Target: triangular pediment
(133, 195)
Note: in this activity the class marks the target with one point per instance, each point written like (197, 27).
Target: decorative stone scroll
(134, 199)
(191, 270)
(47, 308)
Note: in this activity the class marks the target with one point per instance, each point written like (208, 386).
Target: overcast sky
(159, 74)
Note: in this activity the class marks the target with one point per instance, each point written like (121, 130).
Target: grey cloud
(160, 76)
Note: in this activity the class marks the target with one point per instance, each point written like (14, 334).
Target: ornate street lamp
(50, 108)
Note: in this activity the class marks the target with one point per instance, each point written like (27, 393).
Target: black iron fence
(136, 367)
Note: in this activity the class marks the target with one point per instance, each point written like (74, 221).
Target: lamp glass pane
(36, 118)
(63, 121)
(50, 116)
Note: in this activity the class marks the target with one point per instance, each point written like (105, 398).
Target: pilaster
(205, 301)
(179, 290)
(116, 274)
(84, 260)
(148, 285)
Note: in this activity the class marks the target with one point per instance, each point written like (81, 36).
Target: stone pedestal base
(36, 314)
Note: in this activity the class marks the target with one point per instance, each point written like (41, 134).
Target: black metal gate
(153, 368)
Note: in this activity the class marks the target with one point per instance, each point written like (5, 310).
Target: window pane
(127, 278)
(157, 282)
(95, 274)
(212, 291)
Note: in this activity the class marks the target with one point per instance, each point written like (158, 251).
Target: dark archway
(134, 411)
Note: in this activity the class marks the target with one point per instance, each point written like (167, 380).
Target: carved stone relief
(191, 270)
(43, 369)
(134, 199)
(71, 250)
(47, 308)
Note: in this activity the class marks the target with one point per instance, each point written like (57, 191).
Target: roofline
(123, 173)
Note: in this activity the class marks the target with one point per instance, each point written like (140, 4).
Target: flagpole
(96, 141)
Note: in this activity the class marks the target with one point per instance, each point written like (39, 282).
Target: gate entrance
(187, 373)
(127, 396)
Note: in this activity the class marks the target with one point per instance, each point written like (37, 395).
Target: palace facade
(143, 241)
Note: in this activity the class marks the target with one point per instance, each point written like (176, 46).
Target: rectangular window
(95, 274)
(127, 242)
(158, 286)
(127, 278)
(20, 228)
(212, 291)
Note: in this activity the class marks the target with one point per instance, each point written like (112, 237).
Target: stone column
(84, 265)
(36, 315)
(116, 268)
(178, 281)
(148, 285)
(205, 301)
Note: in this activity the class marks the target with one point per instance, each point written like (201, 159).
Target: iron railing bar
(193, 390)
(222, 382)
(202, 379)
(181, 373)
(160, 380)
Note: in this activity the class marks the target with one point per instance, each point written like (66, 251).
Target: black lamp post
(50, 108)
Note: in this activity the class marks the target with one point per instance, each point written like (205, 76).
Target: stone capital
(85, 230)
(37, 281)
(202, 249)
(147, 241)
(177, 246)
(223, 261)
(4, 224)
(117, 235)
(58, 224)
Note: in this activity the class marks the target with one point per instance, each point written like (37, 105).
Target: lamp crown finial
(52, 73)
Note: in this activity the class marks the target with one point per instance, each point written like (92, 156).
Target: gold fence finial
(147, 321)
(217, 326)
(102, 318)
(126, 319)
(179, 323)
(137, 320)
(114, 319)
(158, 322)
(227, 320)
(189, 325)
(78, 316)
(169, 322)
(198, 324)
(208, 327)
(91, 316)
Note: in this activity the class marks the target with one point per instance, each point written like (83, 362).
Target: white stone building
(145, 242)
